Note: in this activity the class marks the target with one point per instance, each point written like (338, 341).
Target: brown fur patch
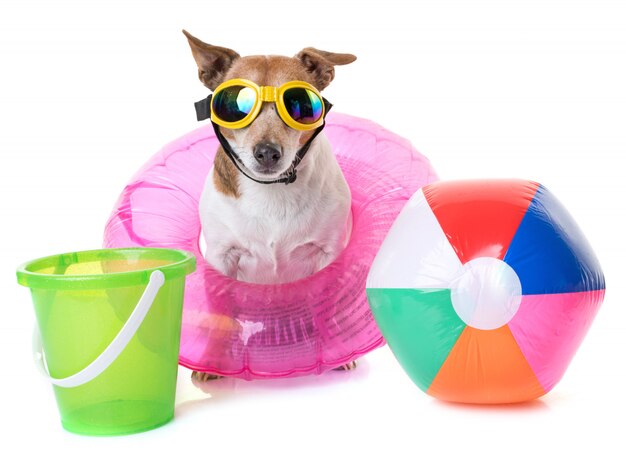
(306, 135)
(228, 133)
(225, 174)
(271, 70)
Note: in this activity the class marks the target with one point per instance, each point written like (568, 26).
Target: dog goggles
(237, 102)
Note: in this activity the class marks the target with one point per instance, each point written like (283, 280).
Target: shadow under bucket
(110, 322)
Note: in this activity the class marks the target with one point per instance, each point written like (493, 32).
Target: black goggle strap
(203, 108)
(203, 111)
(291, 172)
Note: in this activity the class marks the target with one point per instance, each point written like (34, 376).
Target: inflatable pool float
(485, 289)
(256, 331)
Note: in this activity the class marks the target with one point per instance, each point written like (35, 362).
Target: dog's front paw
(203, 377)
(348, 366)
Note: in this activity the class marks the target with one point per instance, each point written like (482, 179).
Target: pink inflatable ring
(256, 331)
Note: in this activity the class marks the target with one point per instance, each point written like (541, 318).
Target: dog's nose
(267, 153)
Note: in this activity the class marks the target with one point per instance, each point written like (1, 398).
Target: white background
(531, 89)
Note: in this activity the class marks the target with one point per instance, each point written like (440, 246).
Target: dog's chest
(279, 258)
(280, 239)
(272, 238)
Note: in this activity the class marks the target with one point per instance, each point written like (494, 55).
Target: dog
(272, 233)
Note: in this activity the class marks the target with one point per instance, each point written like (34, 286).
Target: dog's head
(267, 146)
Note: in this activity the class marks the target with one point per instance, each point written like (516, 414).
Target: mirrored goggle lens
(303, 105)
(233, 103)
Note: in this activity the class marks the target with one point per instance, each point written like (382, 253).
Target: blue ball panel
(549, 252)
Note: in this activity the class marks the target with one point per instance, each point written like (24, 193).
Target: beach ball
(484, 290)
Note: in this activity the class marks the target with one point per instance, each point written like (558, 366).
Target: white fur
(279, 233)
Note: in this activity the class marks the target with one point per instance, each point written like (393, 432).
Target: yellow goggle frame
(269, 94)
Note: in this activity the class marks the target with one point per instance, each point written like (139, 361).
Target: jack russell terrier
(275, 206)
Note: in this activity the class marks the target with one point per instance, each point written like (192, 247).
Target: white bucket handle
(117, 345)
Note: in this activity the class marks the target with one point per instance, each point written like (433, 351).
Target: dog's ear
(213, 61)
(321, 64)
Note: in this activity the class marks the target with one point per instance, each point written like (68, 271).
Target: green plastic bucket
(109, 322)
